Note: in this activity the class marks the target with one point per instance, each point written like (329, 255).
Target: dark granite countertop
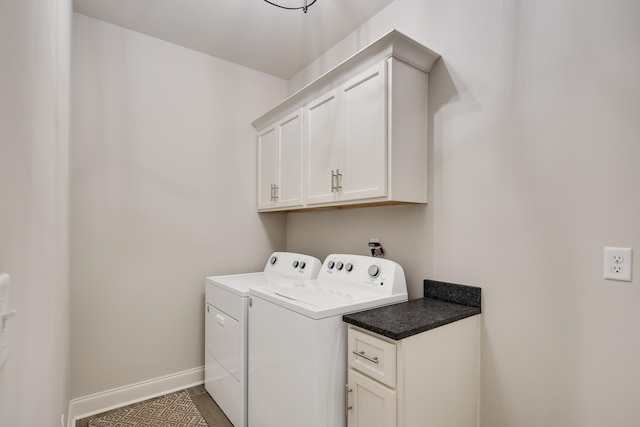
(442, 303)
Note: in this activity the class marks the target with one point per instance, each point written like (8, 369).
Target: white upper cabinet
(267, 166)
(363, 165)
(280, 164)
(363, 133)
(345, 139)
(321, 148)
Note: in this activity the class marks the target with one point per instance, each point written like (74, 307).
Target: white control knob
(273, 259)
(374, 271)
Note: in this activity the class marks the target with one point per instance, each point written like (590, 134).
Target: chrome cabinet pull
(336, 181)
(346, 400)
(364, 356)
(333, 181)
(276, 189)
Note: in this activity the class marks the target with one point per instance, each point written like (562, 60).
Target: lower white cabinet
(429, 379)
(373, 404)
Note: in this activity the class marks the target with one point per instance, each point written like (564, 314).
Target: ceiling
(252, 33)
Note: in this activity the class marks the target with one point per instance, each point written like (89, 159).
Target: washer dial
(374, 271)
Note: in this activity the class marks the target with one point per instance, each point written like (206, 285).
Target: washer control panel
(376, 274)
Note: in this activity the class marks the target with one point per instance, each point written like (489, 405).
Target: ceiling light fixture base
(304, 7)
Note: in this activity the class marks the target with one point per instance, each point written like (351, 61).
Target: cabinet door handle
(275, 192)
(364, 356)
(333, 181)
(346, 400)
(336, 181)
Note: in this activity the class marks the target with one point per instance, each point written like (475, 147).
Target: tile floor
(209, 410)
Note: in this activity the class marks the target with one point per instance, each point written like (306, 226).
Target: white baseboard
(97, 403)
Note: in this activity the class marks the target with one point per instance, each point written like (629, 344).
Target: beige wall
(533, 154)
(34, 112)
(534, 148)
(163, 163)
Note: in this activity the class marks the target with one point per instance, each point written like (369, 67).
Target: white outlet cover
(618, 264)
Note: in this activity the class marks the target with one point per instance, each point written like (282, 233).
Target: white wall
(163, 172)
(534, 149)
(34, 110)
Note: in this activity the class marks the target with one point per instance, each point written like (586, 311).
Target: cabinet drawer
(372, 356)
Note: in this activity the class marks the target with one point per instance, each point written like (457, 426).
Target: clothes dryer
(226, 327)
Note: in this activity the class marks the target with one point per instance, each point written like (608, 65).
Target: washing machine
(298, 341)
(226, 308)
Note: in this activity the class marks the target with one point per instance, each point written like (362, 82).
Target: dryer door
(223, 339)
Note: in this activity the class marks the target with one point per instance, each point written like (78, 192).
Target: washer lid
(318, 299)
(320, 294)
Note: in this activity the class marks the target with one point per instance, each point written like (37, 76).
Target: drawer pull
(364, 356)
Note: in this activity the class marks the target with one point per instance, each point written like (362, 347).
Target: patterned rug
(171, 410)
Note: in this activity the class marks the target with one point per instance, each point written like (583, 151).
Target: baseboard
(97, 403)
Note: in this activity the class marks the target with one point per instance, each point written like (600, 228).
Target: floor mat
(171, 410)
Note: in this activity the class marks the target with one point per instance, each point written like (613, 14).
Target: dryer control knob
(339, 266)
(348, 267)
(295, 264)
(330, 264)
(302, 265)
(273, 259)
(374, 271)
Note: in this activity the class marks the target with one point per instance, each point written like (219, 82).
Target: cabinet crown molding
(393, 44)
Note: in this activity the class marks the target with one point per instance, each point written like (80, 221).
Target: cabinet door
(289, 182)
(267, 164)
(372, 404)
(321, 153)
(363, 109)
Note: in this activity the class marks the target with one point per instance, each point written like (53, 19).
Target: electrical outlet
(617, 264)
